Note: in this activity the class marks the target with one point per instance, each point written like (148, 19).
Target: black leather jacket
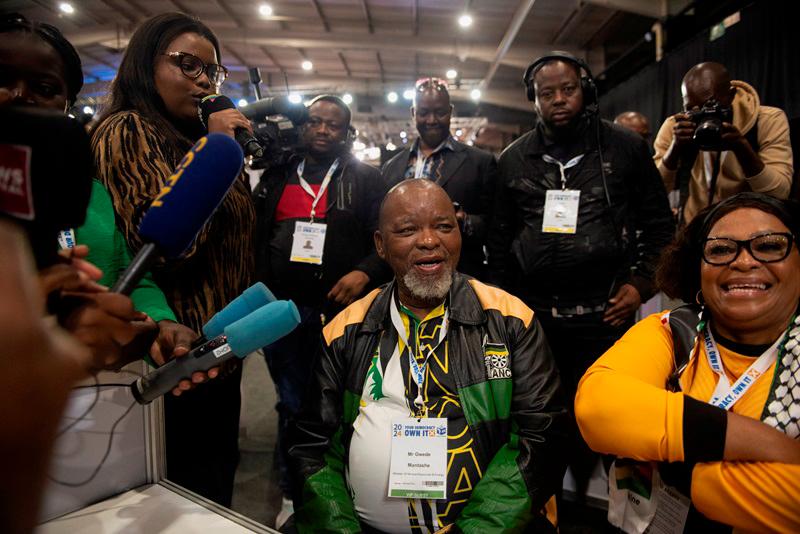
(519, 421)
(618, 239)
(354, 197)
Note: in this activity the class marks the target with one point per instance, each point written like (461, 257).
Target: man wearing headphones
(579, 219)
(315, 219)
(467, 174)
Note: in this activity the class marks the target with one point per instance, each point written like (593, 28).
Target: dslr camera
(708, 124)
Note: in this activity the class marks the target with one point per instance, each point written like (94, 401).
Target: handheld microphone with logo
(185, 203)
(253, 298)
(214, 103)
(262, 327)
(46, 170)
(276, 105)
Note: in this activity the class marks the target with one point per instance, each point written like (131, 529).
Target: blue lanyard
(417, 369)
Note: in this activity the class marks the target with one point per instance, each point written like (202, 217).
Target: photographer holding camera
(724, 140)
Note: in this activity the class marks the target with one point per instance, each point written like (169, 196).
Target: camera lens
(708, 134)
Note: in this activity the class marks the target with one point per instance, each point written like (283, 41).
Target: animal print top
(133, 163)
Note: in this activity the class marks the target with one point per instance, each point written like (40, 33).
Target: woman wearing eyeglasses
(172, 61)
(727, 436)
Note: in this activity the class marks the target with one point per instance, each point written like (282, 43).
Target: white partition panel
(81, 449)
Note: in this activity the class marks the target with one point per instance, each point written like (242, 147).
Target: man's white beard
(426, 289)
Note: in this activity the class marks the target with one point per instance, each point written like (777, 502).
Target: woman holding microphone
(150, 121)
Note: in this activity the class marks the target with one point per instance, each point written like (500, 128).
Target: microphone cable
(97, 385)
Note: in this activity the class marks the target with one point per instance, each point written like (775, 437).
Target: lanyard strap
(419, 169)
(417, 369)
(712, 163)
(322, 187)
(726, 395)
(563, 166)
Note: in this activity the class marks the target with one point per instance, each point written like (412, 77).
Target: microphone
(262, 327)
(253, 298)
(212, 104)
(276, 105)
(185, 203)
(46, 170)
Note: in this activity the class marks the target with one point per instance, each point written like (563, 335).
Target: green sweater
(108, 250)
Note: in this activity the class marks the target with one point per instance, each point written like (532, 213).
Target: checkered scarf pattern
(782, 410)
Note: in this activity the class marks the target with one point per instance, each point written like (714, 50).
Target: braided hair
(73, 73)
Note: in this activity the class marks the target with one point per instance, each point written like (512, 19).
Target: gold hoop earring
(699, 298)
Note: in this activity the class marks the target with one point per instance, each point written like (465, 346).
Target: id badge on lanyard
(418, 468)
(561, 206)
(308, 241)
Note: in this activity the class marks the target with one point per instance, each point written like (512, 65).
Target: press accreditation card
(561, 211)
(308, 242)
(419, 458)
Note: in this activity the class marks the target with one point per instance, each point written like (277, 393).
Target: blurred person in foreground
(41, 69)
(150, 121)
(724, 426)
(723, 142)
(41, 363)
(434, 348)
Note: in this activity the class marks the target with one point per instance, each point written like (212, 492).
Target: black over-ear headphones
(588, 87)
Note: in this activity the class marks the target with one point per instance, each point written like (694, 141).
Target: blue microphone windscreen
(189, 197)
(262, 327)
(252, 299)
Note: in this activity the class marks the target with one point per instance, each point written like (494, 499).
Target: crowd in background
(498, 295)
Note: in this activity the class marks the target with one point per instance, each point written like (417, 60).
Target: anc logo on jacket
(495, 357)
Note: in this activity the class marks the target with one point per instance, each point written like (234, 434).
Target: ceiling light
(451, 74)
(392, 97)
(359, 145)
(475, 94)
(348, 98)
(294, 98)
(66, 7)
(265, 10)
(390, 146)
(465, 20)
(88, 110)
(403, 134)
(408, 94)
(307, 65)
(459, 132)
(241, 103)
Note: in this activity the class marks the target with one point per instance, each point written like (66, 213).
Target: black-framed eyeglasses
(766, 248)
(193, 67)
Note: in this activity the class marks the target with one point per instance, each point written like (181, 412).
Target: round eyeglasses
(766, 248)
(193, 67)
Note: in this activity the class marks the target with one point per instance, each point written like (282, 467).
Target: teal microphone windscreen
(189, 197)
(253, 298)
(262, 327)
